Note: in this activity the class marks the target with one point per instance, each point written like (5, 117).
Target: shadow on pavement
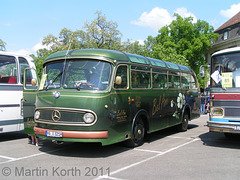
(93, 150)
(77, 149)
(220, 140)
(12, 136)
(166, 132)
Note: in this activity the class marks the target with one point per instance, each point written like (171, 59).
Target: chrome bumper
(223, 127)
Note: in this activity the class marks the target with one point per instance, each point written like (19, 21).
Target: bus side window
(145, 80)
(159, 80)
(122, 72)
(193, 82)
(185, 83)
(140, 79)
(174, 80)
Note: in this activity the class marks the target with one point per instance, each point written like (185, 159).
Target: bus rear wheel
(184, 125)
(138, 133)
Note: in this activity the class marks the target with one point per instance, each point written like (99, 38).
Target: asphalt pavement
(166, 154)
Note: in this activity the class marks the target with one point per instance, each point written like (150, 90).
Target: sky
(24, 23)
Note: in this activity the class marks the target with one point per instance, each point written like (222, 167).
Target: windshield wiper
(52, 81)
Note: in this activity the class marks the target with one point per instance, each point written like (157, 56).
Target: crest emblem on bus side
(56, 115)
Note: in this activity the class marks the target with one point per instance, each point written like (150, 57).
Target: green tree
(42, 54)
(187, 40)
(2, 45)
(102, 34)
(135, 47)
(65, 39)
(168, 54)
(98, 33)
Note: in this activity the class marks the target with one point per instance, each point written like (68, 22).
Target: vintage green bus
(106, 96)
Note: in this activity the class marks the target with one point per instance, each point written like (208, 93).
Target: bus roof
(225, 51)
(114, 55)
(15, 54)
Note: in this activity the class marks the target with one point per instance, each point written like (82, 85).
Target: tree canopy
(187, 39)
(182, 41)
(99, 34)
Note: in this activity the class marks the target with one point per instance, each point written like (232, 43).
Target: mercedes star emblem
(56, 115)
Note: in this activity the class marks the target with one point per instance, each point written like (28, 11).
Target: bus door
(121, 99)
(29, 99)
(175, 98)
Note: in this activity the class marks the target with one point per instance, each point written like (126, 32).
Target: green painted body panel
(96, 102)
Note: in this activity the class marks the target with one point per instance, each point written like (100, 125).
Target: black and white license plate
(53, 134)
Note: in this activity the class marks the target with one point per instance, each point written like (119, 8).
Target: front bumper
(74, 134)
(224, 127)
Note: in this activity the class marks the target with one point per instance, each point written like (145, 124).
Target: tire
(138, 133)
(184, 125)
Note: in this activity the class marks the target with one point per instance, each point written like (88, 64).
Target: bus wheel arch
(140, 126)
(145, 118)
(185, 119)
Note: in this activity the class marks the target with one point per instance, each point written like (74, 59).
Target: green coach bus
(106, 96)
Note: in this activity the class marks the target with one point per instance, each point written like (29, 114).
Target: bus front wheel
(138, 132)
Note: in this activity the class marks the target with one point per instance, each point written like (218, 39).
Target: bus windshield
(226, 71)
(76, 74)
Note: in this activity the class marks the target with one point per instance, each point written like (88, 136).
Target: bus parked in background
(225, 91)
(12, 103)
(109, 96)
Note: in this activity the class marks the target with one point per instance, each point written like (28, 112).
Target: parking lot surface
(166, 154)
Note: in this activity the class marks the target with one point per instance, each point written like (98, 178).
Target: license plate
(237, 128)
(53, 134)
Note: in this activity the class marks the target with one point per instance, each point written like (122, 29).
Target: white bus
(12, 66)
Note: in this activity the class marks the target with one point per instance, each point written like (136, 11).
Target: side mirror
(34, 82)
(201, 71)
(118, 80)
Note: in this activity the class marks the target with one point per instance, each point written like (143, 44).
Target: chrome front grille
(231, 108)
(62, 116)
(232, 111)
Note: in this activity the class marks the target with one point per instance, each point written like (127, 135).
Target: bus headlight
(37, 115)
(88, 118)
(217, 112)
